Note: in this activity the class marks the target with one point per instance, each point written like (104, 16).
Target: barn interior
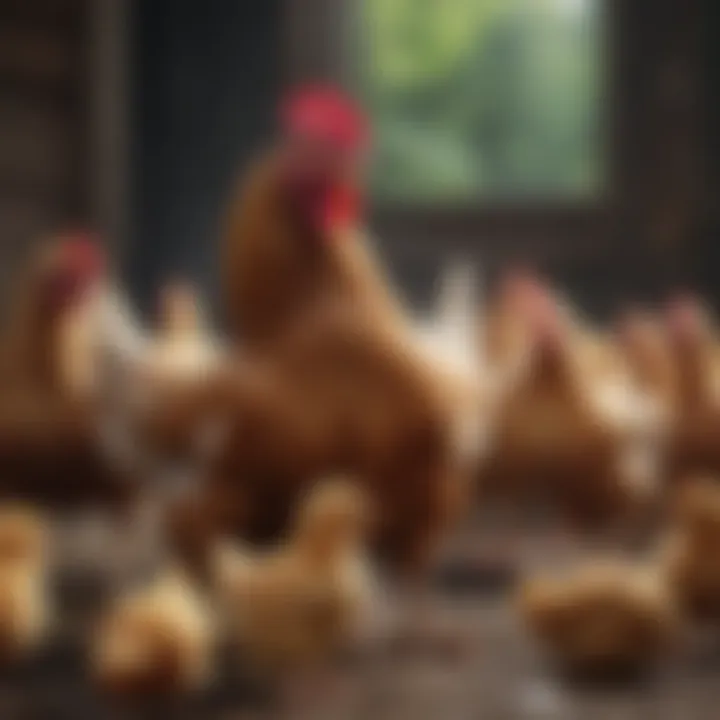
(567, 140)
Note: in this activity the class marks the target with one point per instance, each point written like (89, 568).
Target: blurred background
(574, 133)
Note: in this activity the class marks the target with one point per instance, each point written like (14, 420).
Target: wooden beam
(108, 110)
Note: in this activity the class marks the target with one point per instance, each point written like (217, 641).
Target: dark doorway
(205, 81)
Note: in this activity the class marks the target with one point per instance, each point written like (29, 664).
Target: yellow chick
(601, 619)
(184, 348)
(158, 640)
(296, 606)
(25, 610)
(169, 380)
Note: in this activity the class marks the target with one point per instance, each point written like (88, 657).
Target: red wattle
(82, 253)
(342, 209)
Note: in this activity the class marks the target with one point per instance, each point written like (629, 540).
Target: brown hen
(49, 452)
(694, 441)
(561, 433)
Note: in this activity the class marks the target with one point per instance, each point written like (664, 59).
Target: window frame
(320, 45)
(660, 204)
(109, 107)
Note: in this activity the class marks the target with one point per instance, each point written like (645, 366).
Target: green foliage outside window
(497, 99)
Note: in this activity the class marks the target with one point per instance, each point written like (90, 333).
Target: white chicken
(135, 378)
(448, 336)
(142, 373)
(184, 346)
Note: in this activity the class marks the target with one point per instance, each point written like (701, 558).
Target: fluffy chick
(184, 346)
(25, 611)
(155, 641)
(300, 604)
(154, 388)
(601, 619)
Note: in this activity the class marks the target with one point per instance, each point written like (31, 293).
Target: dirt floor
(498, 677)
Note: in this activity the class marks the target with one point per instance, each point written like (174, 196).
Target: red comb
(542, 314)
(545, 321)
(684, 315)
(521, 282)
(631, 318)
(82, 251)
(530, 295)
(325, 113)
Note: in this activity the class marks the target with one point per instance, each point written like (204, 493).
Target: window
(484, 100)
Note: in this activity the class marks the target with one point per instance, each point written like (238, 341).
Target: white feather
(448, 334)
(448, 337)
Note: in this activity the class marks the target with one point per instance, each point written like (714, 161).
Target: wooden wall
(43, 123)
(204, 86)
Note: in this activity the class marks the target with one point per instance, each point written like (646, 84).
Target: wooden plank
(35, 143)
(36, 54)
(24, 222)
(40, 12)
(108, 118)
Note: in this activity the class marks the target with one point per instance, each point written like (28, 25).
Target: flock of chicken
(334, 434)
